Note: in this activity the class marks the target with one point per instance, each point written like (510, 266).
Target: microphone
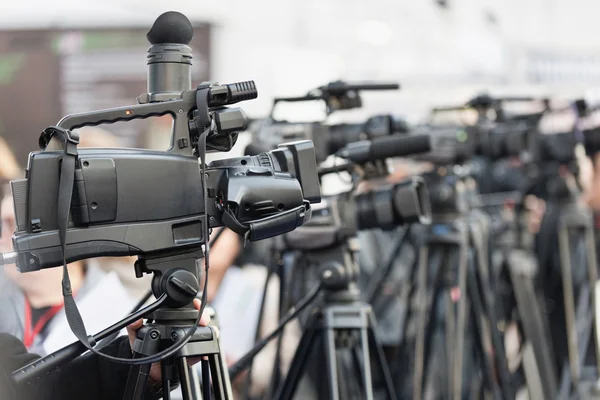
(381, 148)
(169, 58)
(171, 27)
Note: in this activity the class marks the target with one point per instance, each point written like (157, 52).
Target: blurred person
(31, 304)
(9, 168)
(87, 377)
(158, 134)
(592, 183)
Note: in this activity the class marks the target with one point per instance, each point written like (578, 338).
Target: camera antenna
(169, 58)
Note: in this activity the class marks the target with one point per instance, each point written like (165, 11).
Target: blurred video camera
(328, 139)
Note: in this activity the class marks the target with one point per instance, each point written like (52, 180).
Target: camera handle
(179, 109)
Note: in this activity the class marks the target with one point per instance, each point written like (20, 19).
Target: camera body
(340, 217)
(450, 145)
(140, 202)
(119, 207)
(327, 139)
(268, 134)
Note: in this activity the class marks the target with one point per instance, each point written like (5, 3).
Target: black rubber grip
(241, 91)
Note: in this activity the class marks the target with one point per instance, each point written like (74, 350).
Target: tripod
(519, 271)
(176, 277)
(343, 326)
(453, 257)
(575, 221)
(175, 286)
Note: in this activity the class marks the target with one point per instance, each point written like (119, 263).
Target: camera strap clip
(65, 136)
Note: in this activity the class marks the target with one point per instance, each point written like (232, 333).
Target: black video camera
(341, 216)
(158, 203)
(328, 139)
(450, 145)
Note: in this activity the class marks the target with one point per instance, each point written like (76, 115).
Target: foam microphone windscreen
(399, 146)
(171, 27)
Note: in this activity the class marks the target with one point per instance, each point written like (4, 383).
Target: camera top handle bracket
(185, 119)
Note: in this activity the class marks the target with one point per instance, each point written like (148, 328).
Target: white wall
(288, 46)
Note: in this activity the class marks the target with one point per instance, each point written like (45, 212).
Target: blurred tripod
(519, 267)
(340, 328)
(453, 272)
(575, 226)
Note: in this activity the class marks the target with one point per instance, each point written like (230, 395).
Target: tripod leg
(188, 391)
(166, 367)
(138, 377)
(332, 367)
(366, 364)
(450, 336)
(537, 354)
(146, 344)
(421, 323)
(484, 298)
(429, 321)
(205, 365)
(294, 374)
(195, 383)
(593, 278)
(283, 307)
(569, 303)
(478, 317)
(380, 358)
(220, 376)
(460, 291)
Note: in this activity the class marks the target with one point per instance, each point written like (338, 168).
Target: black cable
(135, 309)
(143, 301)
(246, 360)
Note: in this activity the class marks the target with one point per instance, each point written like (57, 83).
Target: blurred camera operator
(574, 178)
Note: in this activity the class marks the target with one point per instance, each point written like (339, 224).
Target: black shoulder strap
(65, 192)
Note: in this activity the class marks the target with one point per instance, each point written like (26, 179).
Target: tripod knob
(181, 287)
(333, 275)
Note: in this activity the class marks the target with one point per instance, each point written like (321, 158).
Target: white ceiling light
(376, 33)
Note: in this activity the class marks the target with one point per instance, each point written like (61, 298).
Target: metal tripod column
(455, 236)
(577, 217)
